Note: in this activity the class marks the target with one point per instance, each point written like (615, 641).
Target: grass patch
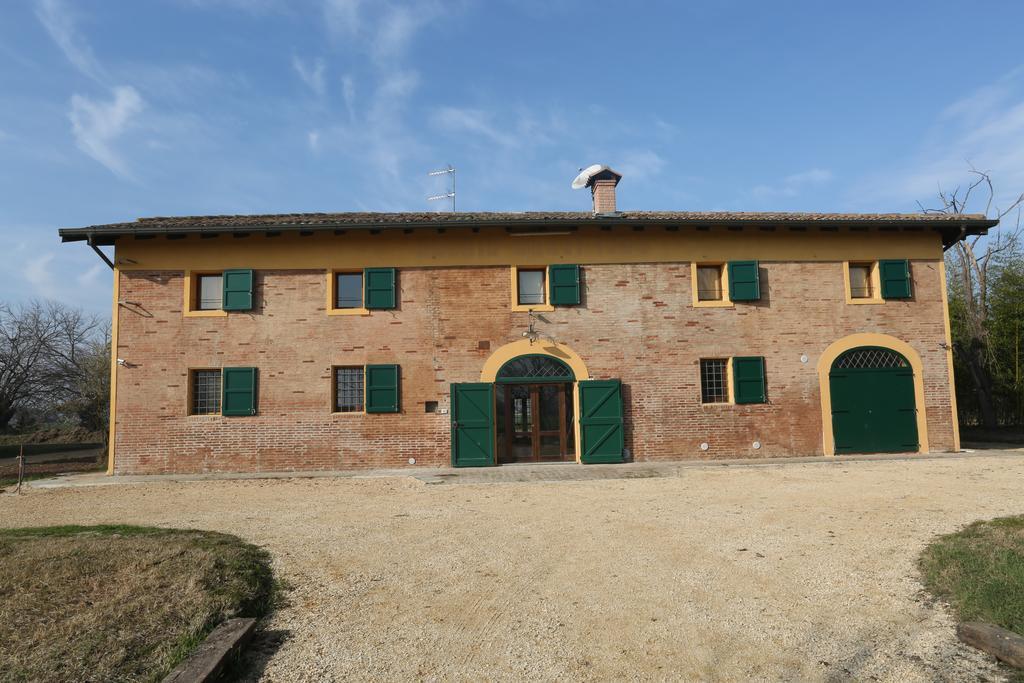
(119, 603)
(14, 450)
(979, 570)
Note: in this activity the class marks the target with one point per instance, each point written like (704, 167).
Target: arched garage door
(873, 408)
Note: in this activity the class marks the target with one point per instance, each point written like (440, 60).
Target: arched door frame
(841, 346)
(524, 347)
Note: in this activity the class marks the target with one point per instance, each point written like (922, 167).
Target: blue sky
(115, 110)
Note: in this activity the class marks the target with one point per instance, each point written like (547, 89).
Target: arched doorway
(873, 402)
(534, 410)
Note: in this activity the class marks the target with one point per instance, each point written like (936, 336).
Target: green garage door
(873, 408)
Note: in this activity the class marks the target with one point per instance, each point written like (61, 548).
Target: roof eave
(106, 235)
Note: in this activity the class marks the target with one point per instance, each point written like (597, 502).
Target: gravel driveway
(795, 571)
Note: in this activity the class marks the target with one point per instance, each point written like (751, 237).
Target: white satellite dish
(584, 177)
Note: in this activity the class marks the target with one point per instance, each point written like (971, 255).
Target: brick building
(333, 341)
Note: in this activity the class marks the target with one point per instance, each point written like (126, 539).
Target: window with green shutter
(748, 379)
(564, 285)
(382, 390)
(239, 391)
(895, 277)
(237, 290)
(744, 282)
(380, 288)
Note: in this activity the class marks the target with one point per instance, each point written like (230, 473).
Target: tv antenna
(451, 193)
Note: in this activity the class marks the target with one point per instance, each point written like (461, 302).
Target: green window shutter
(744, 282)
(379, 285)
(895, 276)
(237, 290)
(748, 379)
(239, 391)
(382, 389)
(564, 285)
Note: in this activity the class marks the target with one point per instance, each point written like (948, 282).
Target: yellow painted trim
(876, 284)
(576, 436)
(505, 353)
(949, 356)
(725, 301)
(836, 349)
(523, 347)
(495, 247)
(538, 308)
(331, 284)
(186, 309)
(114, 319)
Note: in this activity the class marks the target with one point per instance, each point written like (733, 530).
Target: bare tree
(970, 262)
(48, 353)
(25, 335)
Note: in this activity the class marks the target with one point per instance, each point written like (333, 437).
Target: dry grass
(979, 570)
(119, 603)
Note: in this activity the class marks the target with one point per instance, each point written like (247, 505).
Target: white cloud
(348, 92)
(398, 27)
(312, 74)
(59, 22)
(37, 272)
(472, 121)
(90, 278)
(385, 30)
(313, 138)
(984, 129)
(795, 184)
(97, 126)
(342, 16)
(640, 164)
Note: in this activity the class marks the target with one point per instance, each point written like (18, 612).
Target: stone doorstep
(514, 472)
(206, 663)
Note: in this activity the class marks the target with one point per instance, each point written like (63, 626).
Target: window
(366, 389)
(348, 290)
(861, 286)
(714, 380)
(205, 392)
(348, 389)
(209, 292)
(709, 283)
(214, 294)
(357, 292)
(530, 287)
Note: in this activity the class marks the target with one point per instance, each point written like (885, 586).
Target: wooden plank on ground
(1006, 646)
(209, 659)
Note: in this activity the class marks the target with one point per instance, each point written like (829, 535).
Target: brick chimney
(604, 195)
(602, 182)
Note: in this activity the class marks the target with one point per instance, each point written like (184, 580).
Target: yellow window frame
(332, 285)
(725, 301)
(876, 283)
(546, 307)
(191, 288)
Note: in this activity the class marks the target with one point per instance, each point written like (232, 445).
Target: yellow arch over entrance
(836, 349)
(542, 347)
(523, 347)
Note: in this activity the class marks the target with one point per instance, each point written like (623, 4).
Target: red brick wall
(636, 323)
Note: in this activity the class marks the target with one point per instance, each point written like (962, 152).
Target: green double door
(873, 410)
(473, 414)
